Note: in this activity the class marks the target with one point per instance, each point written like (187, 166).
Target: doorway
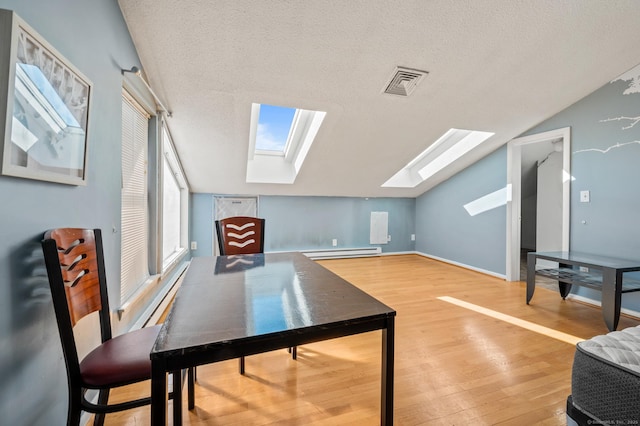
(536, 155)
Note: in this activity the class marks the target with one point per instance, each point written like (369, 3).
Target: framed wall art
(44, 107)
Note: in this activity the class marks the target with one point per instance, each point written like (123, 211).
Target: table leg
(191, 380)
(386, 405)
(564, 287)
(241, 363)
(177, 397)
(611, 297)
(531, 275)
(158, 394)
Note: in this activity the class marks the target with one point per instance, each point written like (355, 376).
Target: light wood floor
(453, 366)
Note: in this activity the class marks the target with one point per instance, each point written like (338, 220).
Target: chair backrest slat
(240, 235)
(77, 255)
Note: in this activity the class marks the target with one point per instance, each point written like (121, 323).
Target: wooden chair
(75, 267)
(242, 235)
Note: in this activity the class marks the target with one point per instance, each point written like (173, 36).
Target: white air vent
(404, 81)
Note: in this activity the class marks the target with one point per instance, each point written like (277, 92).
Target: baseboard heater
(342, 253)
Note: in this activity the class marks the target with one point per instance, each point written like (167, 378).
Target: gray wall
(312, 222)
(444, 228)
(605, 160)
(93, 36)
(299, 223)
(201, 224)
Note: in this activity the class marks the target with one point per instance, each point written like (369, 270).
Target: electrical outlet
(413, 237)
(388, 237)
(194, 245)
(584, 269)
(334, 242)
(585, 197)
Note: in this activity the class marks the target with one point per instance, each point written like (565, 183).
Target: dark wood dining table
(232, 306)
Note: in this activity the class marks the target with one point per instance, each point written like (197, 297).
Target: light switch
(584, 196)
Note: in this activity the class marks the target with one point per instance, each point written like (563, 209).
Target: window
(135, 223)
(155, 196)
(274, 127)
(279, 140)
(448, 148)
(174, 203)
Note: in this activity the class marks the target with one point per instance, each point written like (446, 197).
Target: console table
(587, 270)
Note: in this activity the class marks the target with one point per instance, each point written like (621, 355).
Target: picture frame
(44, 107)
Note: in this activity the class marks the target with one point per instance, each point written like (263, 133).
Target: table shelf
(605, 274)
(591, 279)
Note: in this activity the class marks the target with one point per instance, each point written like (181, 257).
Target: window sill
(173, 260)
(151, 294)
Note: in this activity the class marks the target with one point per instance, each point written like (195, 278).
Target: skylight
(279, 140)
(448, 148)
(274, 126)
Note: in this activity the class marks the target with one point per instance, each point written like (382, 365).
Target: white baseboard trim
(598, 304)
(452, 262)
(462, 265)
(377, 251)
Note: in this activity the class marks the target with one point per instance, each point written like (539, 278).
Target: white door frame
(514, 166)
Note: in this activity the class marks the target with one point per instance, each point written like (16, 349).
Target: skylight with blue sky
(274, 126)
(279, 140)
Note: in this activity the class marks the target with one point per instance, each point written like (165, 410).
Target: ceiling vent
(404, 81)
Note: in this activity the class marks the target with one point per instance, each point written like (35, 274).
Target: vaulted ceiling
(500, 66)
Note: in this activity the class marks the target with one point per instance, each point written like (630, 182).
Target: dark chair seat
(121, 360)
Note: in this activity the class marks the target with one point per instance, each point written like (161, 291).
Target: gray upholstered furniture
(605, 380)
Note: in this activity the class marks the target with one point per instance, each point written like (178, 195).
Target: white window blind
(135, 222)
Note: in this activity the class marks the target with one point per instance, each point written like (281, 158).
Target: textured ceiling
(499, 66)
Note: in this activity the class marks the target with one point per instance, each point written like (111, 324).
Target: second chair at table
(242, 235)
